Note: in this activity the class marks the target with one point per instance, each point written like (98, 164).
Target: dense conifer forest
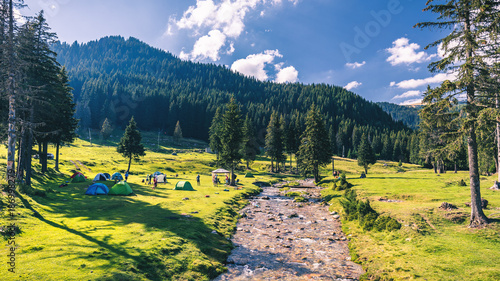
(116, 78)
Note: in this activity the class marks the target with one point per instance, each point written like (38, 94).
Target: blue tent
(117, 176)
(97, 189)
(156, 173)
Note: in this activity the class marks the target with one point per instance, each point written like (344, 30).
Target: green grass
(433, 244)
(156, 235)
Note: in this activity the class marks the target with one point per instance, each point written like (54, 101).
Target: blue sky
(369, 47)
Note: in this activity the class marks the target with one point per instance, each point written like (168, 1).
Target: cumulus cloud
(355, 65)
(402, 52)
(253, 65)
(408, 94)
(415, 83)
(412, 102)
(226, 16)
(207, 46)
(352, 85)
(287, 74)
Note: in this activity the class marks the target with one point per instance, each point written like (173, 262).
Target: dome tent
(76, 174)
(121, 188)
(117, 176)
(100, 177)
(97, 189)
(183, 185)
(78, 178)
(108, 176)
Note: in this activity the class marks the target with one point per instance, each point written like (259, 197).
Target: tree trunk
(231, 180)
(455, 167)
(56, 167)
(333, 166)
(477, 217)
(272, 166)
(11, 91)
(129, 162)
(498, 139)
(44, 156)
(291, 162)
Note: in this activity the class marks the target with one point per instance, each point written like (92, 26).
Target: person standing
(126, 175)
(198, 179)
(155, 182)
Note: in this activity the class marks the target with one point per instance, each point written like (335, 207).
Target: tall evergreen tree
(471, 22)
(130, 145)
(231, 137)
(106, 129)
(178, 132)
(314, 150)
(215, 133)
(274, 141)
(366, 156)
(250, 146)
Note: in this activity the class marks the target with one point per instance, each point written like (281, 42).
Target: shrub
(393, 224)
(292, 194)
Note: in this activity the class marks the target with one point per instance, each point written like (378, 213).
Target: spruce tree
(106, 129)
(471, 23)
(250, 146)
(231, 137)
(215, 133)
(274, 141)
(130, 145)
(177, 132)
(366, 156)
(315, 148)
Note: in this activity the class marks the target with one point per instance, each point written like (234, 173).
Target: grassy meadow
(156, 235)
(433, 244)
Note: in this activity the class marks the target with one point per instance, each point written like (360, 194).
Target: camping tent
(108, 176)
(161, 178)
(117, 176)
(78, 178)
(76, 174)
(97, 189)
(249, 175)
(183, 185)
(121, 188)
(100, 177)
(156, 174)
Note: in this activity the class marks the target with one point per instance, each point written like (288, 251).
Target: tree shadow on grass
(124, 210)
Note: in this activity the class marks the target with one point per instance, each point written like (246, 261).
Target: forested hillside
(116, 78)
(406, 114)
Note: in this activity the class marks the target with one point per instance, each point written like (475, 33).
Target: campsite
(167, 232)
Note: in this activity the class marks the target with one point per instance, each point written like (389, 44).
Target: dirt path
(278, 239)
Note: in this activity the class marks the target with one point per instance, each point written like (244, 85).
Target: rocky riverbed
(279, 239)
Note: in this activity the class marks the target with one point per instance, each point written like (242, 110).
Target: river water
(278, 239)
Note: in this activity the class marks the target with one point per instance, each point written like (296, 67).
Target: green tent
(183, 185)
(121, 188)
(249, 175)
(78, 178)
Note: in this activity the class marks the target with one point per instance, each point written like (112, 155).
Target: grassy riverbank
(433, 244)
(152, 235)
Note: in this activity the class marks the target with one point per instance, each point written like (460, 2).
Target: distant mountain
(406, 114)
(116, 78)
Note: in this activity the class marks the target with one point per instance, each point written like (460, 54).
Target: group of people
(216, 181)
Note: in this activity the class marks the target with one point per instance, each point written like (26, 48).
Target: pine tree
(130, 145)
(314, 150)
(215, 132)
(274, 141)
(177, 132)
(471, 22)
(106, 129)
(250, 146)
(231, 137)
(366, 156)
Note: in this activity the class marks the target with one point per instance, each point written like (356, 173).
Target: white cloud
(412, 102)
(355, 65)
(352, 85)
(415, 83)
(253, 65)
(287, 74)
(208, 46)
(226, 16)
(402, 52)
(408, 94)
